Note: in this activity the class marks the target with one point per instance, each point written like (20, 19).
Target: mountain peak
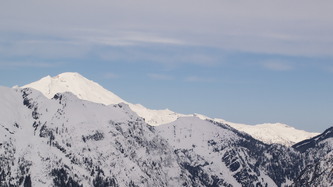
(73, 82)
(88, 90)
(69, 75)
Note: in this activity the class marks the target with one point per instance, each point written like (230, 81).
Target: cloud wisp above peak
(110, 75)
(129, 39)
(157, 76)
(199, 79)
(28, 64)
(287, 28)
(278, 66)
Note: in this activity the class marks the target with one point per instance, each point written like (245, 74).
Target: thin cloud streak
(198, 79)
(43, 48)
(169, 57)
(260, 27)
(130, 40)
(156, 76)
(277, 66)
(110, 75)
(330, 69)
(27, 64)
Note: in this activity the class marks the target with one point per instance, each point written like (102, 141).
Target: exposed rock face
(69, 142)
(319, 156)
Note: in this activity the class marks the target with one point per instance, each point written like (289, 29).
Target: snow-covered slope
(88, 90)
(269, 132)
(76, 84)
(244, 160)
(273, 132)
(66, 141)
(191, 135)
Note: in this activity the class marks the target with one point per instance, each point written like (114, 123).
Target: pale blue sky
(247, 62)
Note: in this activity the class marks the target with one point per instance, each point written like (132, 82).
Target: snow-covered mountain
(66, 141)
(207, 146)
(88, 90)
(270, 133)
(91, 91)
(273, 132)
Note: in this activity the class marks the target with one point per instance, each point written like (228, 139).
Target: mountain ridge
(67, 141)
(313, 142)
(92, 91)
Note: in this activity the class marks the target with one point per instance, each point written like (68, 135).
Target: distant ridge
(274, 132)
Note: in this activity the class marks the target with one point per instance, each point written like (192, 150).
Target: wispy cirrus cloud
(198, 79)
(127, 38)
(330, 69)
(278, 65)
(262, 26)
(157, 76)
(110, 75)
(168, 56)
(43, 47)
(28, 64)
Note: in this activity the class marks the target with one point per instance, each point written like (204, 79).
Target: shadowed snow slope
(88, 90)
(65, 141)
(319, 149)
